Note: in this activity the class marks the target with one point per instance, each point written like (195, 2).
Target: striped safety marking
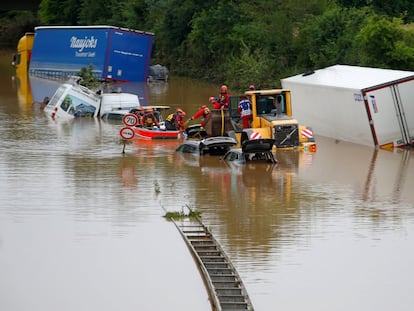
(307, 133)
(255, 135)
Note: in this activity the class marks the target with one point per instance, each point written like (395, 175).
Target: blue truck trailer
(114, 53)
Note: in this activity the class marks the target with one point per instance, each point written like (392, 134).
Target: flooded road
(82, 226)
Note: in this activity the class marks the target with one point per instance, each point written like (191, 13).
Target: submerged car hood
(258, 145)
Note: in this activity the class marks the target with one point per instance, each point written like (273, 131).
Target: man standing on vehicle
(224, 98)
(245, 111)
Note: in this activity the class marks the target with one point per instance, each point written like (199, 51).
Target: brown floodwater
(82, 226)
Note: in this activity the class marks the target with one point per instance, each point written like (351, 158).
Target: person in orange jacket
(203, 112)
(179, 119)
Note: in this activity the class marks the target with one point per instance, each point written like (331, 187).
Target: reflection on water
(319, 231)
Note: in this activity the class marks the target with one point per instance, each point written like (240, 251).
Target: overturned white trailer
(368, 106)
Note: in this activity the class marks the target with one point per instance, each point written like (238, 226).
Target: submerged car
(72, 100)
(252, 150)
(212, 145)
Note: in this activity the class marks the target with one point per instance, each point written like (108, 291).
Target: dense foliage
(260, 41)
(13, 25)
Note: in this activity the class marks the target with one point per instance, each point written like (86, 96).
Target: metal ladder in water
(226, 289)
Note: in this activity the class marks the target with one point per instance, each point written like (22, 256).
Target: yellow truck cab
(21, 59)
(272, 118)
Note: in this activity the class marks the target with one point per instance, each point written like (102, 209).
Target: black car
(212, 145)
(252, 150)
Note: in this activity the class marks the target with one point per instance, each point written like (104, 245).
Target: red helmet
(251, 87)
(223, 88)
(180, 110)
(203, 107)
(211, 99)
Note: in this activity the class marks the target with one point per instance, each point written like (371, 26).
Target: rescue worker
(171, 122)
(216, 104)
(175, 121)
(139, 112)
(150, 119)
(251, 87)
(245, 111)
(203, 112)
(224, 98)
(179, 119)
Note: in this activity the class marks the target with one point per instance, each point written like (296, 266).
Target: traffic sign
(127, 133)
(130, 119)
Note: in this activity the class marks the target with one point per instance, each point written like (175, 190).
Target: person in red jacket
(203, 112)
(224, 97)
(216, 104)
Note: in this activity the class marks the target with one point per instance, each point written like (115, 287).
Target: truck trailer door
(129, 55)
(390, 116)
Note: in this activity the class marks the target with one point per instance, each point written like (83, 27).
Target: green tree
(260, 41)
(136, 13)
(58, 12)
(211, 38)
(102, 12)
(328, 39)
(395, 8)
(172, 29)
(382, 43)
(13, 25)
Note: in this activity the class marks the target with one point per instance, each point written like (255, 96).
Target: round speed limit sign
(127, 133)
(130, 119)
